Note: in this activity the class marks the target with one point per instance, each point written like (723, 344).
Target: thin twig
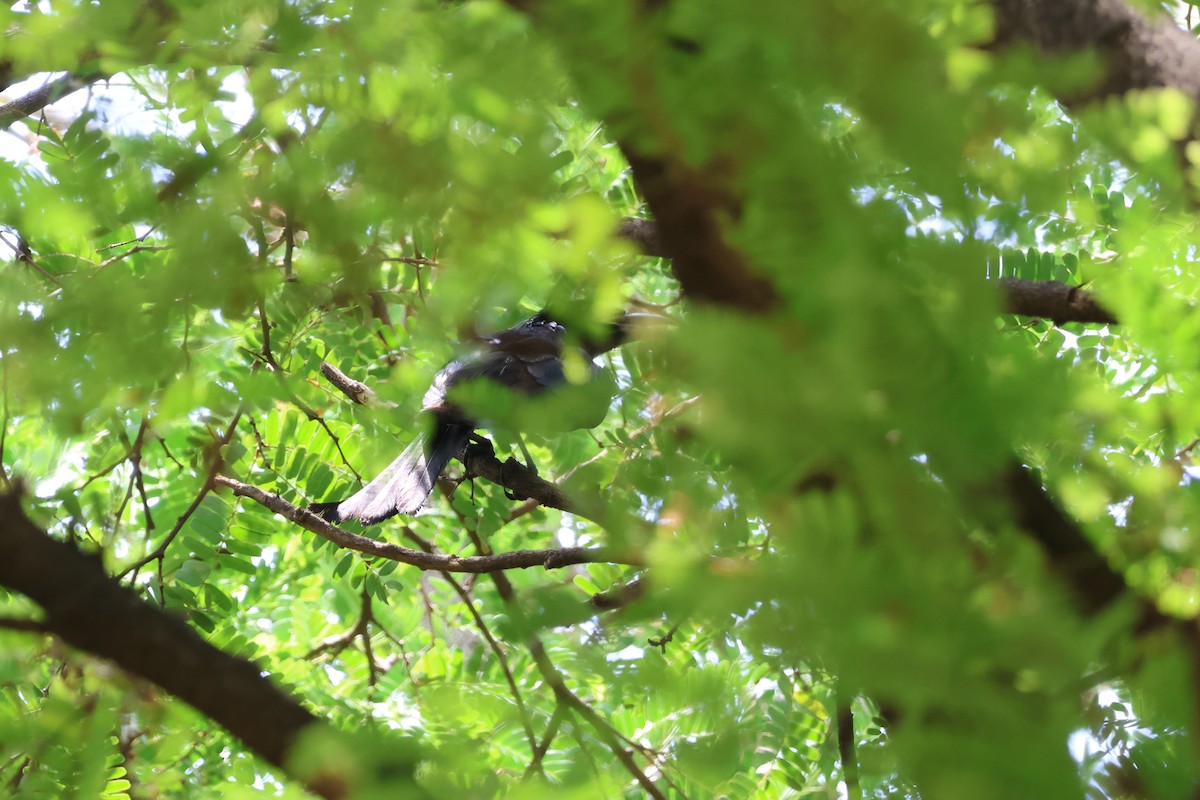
(617, 597)
(557, 683)
(135, 240)
(103, 471)
(289, 237)
(539, 752)
(23, 253)
(149, 248)
(215, 465)
(361, 630)
(373, 668)
(662, 641)
(264, 356)
(338, 642)
(135, 460)
(412, 261)
(264, 324)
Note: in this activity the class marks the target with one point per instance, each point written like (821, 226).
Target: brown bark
(1137, 51)
(89, 610)
(549, 558)
(1052, 300)
(691, 216)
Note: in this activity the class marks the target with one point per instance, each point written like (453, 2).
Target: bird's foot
(511, 464)
(477, 447)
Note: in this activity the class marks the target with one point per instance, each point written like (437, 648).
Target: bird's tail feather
(405, 485)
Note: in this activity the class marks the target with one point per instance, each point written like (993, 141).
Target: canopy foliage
(898, 505)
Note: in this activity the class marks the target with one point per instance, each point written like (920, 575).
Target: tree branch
(480, 460)
(22, 624)
(357, 391)
(1072, 555)
(89, 610)
(215, 464)
(49, 92)
(689, 213)
(551, 558)
(619, 596)
(1137, 51)
(846, 749)
(1050, 300)
(1094, 582)
(1054, 301)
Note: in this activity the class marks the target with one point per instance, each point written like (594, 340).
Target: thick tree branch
(1094, 582)
(551, 558)
(1072, 555)
(89, 610)
(1054, 301)
(481, 462)
(1050, 300)
(688, 231)
(1137, 51)
(691, 216)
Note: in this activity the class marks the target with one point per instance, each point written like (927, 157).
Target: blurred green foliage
(263, 185)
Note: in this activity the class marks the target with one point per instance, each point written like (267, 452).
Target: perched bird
(502, 383)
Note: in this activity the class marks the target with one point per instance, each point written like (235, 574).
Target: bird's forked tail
(405, 485)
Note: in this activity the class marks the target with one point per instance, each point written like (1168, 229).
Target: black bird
(526, 360)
